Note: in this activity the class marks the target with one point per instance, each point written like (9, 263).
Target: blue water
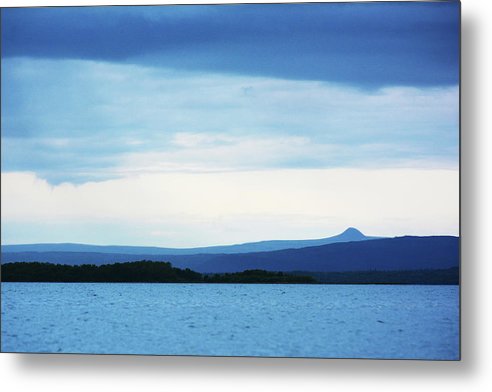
(329, 321)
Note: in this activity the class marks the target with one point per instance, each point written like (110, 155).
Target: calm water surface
(361, 321)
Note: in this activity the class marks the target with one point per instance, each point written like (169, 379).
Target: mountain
(388, 254)
(351, 234)
(400, 253)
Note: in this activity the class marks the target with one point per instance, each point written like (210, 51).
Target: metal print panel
(275, 180)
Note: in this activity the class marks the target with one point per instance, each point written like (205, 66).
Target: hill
(400, 253)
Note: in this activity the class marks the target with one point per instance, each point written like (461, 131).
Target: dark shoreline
(163, 272)
(448, 276)
(310, 284)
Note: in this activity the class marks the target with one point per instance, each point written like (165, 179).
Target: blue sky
(107, 94)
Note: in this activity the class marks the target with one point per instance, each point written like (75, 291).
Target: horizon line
(222, 245)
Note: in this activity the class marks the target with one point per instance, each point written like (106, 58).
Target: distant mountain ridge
(351, 234)
(387, 254)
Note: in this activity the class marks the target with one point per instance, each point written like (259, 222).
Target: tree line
(135, 272)
(146, 271)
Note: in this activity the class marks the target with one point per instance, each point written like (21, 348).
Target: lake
(328, 321)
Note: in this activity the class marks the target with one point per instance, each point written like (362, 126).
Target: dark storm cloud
(370, 45)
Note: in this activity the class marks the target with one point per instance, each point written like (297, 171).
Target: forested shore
(136, 272)
(163, 272)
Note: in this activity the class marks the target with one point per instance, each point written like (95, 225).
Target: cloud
(188, 209)
(371, 45)
(80, 121)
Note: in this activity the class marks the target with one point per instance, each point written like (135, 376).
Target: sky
(203, 125)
